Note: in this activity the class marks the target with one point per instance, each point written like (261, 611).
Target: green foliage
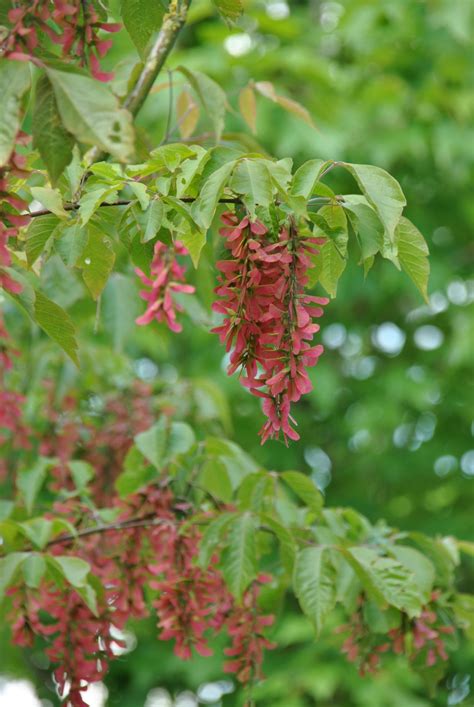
(14, 83)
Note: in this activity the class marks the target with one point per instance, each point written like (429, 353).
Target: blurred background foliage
(389, 426)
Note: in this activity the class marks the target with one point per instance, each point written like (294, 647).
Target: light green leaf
(413, 254)
(38, 235)
(285, 539)
(97, 260)
(82, 472)
(9, 567)
(305, 489)
(142, 19)
(314, 584)
(366, 224)
(386, 580)
(421, 566)
(190, 168)
(331, 261)
(50, 138)
(141, 193)
(57, 324)
(240, 560)
(51, 200)
(229, 9)
(306, 177)
(91, 112)
(33, 569)
(120, 307)
(38, 531)
(252, 180)
(71, 243)
(29, 481)
(154, 218)
(162, 442)
(212, 537)
(248, 107)
(205, 205)
(74, 569)
(211, 96)
(14, 82)
(194, 240)
(214, 478)
(385, 195)
(267, 89)
(93, 198)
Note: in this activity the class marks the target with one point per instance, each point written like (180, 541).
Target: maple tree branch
(126, 202)
(145, 522)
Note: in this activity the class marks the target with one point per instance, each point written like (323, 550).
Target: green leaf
(285, 539)
(91, 112)
(38, 531)
(212, 536)
(33, 569)
(214, 478)
(71, 243)
(240, 561)
(366, 224)
(229, 9)
(305, 489)
(14, 83)
(252, 180)
(413, 254)
(248, 107)
(50, 138)
(162, 442)
(154, 217)
(141, 193)
(421, 566)
(386, 580)
(314, 585)
(29, 481)
(306, 177)
(331, 261)
(211, 95)
(9, 566)
(137, 473)
(205, 206)
(40, 230)
(267, 89)
(385, 195)
(194, 240)
(255, 489)
(97, 260)
(142, 19)
(51, 200)
(74, 569)
(463, 611)
(57, 324)
(93, 198)
(82, 472)
(120, 307)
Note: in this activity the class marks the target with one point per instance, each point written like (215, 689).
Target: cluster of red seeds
(268, 325)
(191, 604)
(426, 639)
(74, 25)
(166, 278)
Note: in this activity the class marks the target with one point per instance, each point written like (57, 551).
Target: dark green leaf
(142, 19)
(40, 230)
(97, 260)
(240, 562)
(305, 489)
(29, 481)
(49, 135)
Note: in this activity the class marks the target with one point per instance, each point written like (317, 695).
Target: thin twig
(122, 525)
(126, 202)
